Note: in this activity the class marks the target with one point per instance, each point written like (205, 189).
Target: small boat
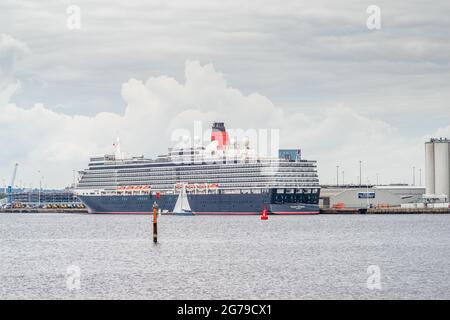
(182, 206)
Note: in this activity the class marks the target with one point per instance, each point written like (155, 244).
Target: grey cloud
(306, 57)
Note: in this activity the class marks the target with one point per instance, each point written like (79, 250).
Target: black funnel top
(218, 126)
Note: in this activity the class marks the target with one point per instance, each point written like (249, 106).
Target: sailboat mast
(183, 190)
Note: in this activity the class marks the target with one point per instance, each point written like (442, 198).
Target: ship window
(280, 191)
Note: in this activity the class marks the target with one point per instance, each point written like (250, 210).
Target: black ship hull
(200, 204)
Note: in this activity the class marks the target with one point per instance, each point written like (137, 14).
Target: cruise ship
(222, 177)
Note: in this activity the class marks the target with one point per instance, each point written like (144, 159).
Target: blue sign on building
(366, 195)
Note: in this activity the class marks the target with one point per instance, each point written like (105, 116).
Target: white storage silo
(437, 167)
(442, 167)
(429, 167)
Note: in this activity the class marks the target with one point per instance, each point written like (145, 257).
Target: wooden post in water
(155, 222)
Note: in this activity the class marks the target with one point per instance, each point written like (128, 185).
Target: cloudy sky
(312, 69)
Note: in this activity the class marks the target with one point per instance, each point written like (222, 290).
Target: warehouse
(40, 198)
(369, 196)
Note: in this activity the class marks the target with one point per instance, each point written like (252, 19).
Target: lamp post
(367, 193)
(40, 188)
(360, 176)
(337, 175)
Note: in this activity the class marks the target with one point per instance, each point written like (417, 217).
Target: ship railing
(240, 189)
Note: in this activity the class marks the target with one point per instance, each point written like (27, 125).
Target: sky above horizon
(313, 70)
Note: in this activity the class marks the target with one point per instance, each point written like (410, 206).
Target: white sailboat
(182, 205)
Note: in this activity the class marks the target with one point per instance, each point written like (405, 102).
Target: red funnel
(219, 134)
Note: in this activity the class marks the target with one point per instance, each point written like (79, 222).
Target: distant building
(372, 196)
(44, 197)
(437, 167)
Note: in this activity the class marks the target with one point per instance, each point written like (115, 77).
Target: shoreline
(343, 211)
(384, 211)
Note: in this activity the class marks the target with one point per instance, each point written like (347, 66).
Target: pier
(42, 210)
(322, 211)
(395, 210)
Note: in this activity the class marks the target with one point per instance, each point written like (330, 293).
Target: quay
(385, 211)
(322, 211)
(42, 210)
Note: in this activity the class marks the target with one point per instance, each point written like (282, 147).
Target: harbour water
(217, 257)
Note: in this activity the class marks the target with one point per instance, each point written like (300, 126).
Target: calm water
(305, 257)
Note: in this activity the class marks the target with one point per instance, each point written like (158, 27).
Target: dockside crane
(11, 186)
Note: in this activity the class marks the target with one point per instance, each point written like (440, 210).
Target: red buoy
(264, 215)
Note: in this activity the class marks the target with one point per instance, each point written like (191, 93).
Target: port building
(437, 167)
(369, 196)
(34, 198)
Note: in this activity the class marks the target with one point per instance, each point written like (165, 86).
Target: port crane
(11, 186)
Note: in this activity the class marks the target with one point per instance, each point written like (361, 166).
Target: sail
(178, 204)
(182, 204)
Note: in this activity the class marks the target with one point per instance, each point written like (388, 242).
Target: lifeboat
(178, 186)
